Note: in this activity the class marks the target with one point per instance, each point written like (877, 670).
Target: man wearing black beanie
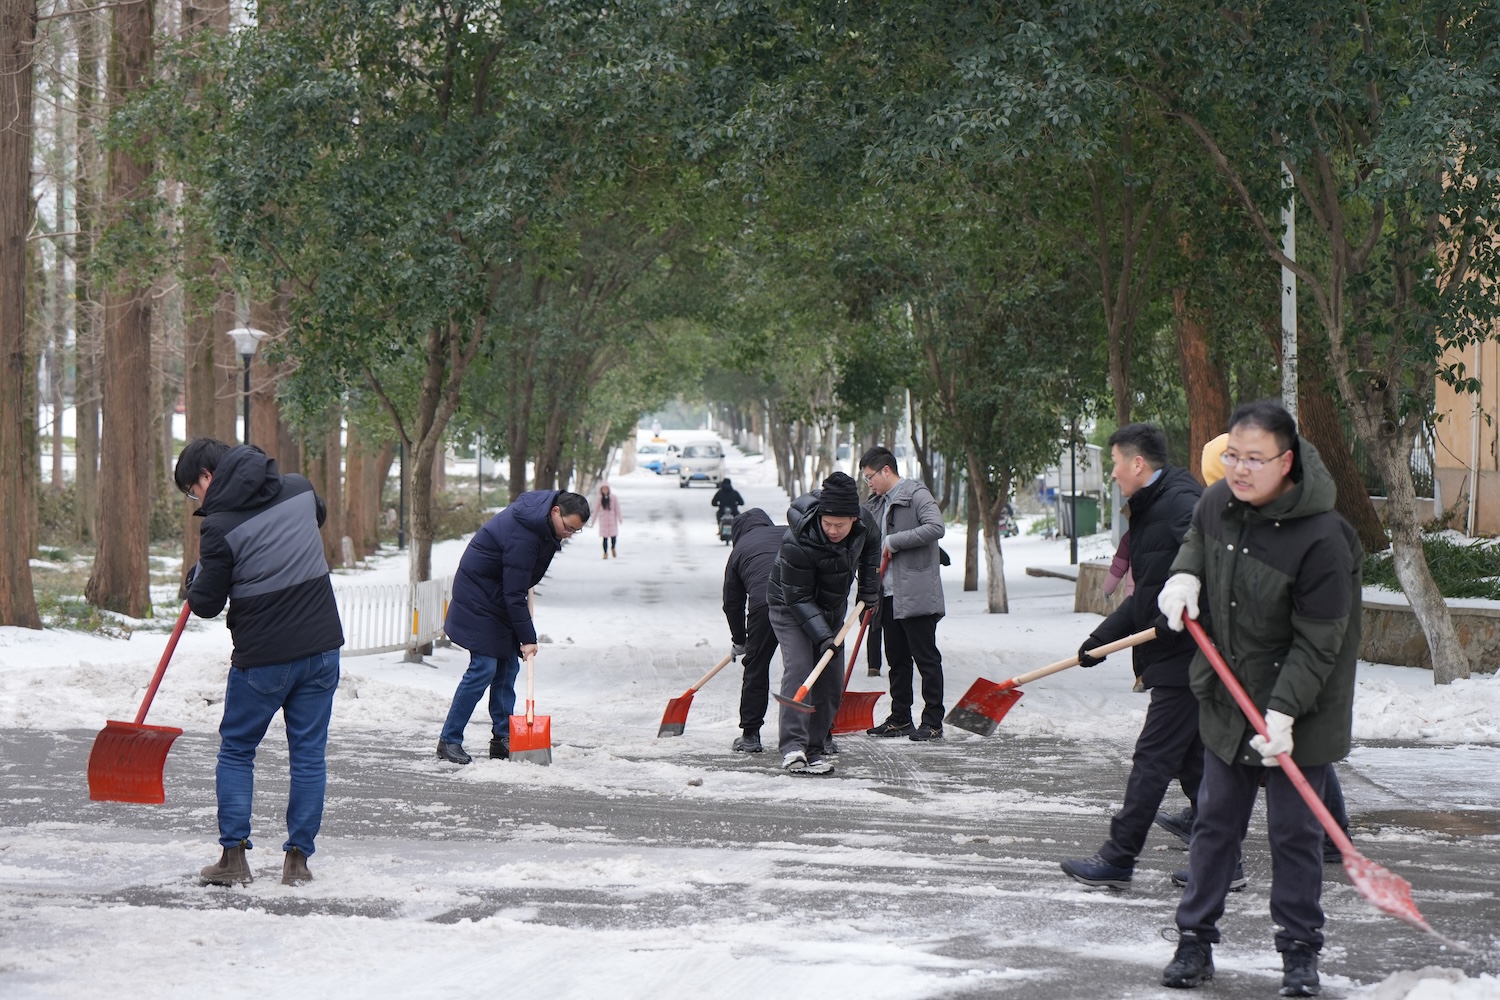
(824, 547)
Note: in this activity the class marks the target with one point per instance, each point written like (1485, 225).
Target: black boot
(1193, 964)
(500, 748)
(748, 743)
(453, 753)
(1299, 971)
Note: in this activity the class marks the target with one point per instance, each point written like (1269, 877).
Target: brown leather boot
(294, 868)
(230, 869)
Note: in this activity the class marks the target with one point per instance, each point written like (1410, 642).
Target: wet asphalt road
(969, 847)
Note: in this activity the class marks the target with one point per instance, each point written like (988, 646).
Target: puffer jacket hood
(246, 478)
(752, 518)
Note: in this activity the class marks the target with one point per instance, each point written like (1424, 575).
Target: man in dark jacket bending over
(260, 551)
(1161, 498)
(825, 545)
(756, 541)
(490, 614)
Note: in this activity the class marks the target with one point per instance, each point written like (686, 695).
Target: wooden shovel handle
(530, 690)
(828, 654)
(710, 675)
(1072, 661)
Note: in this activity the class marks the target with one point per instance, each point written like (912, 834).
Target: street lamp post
(246, 340)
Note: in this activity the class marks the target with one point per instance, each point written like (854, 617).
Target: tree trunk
(990, 507)
(1203, 382)
(323, 470)
(87, 339)
(971, 543)
(17, 39)
(1318, 421)
(121, 574)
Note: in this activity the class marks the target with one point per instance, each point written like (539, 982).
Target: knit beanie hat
(840, 497)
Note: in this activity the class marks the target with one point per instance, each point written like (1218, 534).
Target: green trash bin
(1085, 507)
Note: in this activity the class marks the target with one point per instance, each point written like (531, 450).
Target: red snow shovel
(674, 719)
(985, 703)
(531, 734)
(1382, 887)
(857, 708)
(798, 701)
(127, 760)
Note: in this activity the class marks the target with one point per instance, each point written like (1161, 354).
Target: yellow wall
(1454, 451)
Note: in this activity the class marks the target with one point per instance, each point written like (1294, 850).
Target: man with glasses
(911, 601)
(490, 613)
(1276, 571)
(260, 552)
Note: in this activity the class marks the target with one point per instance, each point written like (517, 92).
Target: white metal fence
(381, 618)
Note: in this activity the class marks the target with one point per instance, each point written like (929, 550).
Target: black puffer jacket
(1160, 515)
(812, 575)
(1281, 599)
(756, 542)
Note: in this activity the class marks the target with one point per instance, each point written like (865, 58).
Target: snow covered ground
(582, 879)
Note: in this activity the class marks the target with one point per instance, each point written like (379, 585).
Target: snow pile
(1434, 983)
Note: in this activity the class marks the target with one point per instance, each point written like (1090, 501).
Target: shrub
(1469, 569)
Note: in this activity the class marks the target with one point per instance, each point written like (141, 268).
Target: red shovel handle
(864, 623)
(161, 668)
(1299, 781)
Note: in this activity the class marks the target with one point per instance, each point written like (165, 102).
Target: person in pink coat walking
(607, 517)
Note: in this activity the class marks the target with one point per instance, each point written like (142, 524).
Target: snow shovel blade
(531, 740)
(126, 762)
(795, 703)
(856, 712)
(1388, 891)
(674, 719)
(983, 706)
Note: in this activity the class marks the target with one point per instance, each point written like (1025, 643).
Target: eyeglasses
(1230, 460)
(568, 529)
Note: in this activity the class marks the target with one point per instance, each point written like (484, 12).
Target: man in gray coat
(912, 594)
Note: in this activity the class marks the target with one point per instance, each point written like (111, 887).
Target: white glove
(1178, 595)
(736, 650)
(1279, 726)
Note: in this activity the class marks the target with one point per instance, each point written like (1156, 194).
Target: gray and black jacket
(260, 551)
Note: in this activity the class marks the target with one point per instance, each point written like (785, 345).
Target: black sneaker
(1179, 825)
(1096, 871)
(1331, 853)
(1193, 964)
(500, 748)
(926, 733)
(873, 672)
(453, 753)
(1299, 971)
(1236, 883)
(748, 743)
(890, 728)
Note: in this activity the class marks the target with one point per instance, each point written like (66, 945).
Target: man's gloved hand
(1279, 726)
(192, 574)
(1179, 596)
(869, 601)
(826, 645)
(1084, 659)
(736, 650)
(1162, 626)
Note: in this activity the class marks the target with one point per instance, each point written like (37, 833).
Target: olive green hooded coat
(1281, 600)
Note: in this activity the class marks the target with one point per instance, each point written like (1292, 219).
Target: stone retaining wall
(1391, 633)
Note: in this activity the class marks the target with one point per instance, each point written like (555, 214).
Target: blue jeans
(499, 675)
(302, 691)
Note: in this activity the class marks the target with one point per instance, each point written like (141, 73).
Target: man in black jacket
(1161, 499)
(823, 549)
(756, 541)
(260, 551)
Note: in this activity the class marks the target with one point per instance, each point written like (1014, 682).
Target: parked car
(703, 462)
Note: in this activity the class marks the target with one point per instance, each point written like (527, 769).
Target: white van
(700, 461)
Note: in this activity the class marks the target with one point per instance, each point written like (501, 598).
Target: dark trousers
(1225, 801)
(609, 543)
(755, 686)
(1169, 747)
(909, 640)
